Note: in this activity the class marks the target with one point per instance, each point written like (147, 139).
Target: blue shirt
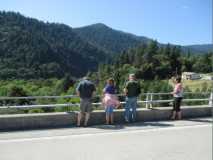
(109, 89)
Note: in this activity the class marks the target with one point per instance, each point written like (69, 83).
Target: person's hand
(118, 106)
(125, 91)
(78, 93)
(93, 94)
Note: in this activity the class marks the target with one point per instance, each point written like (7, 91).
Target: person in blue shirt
(110, 100)
(110, 87)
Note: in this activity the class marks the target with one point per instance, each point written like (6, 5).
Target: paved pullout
(165, 140)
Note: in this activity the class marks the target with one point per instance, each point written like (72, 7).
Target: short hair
(131, 75)
(85, 78)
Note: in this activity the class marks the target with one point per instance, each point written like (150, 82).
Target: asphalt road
(166, 140)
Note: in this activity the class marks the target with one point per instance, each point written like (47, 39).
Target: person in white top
(178, 96)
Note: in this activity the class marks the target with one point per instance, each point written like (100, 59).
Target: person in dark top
(132, 90)
(85, 90)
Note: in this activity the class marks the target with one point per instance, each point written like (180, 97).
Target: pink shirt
(178, 90)
(110, 100)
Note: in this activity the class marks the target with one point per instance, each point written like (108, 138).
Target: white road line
(101, 134)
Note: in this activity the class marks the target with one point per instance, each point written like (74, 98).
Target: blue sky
(181, 22)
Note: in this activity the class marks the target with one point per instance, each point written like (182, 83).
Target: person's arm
(117, 103)
(139, 89)
(126, 89)
(173, 92)
(78, 89)
(94, 91)
(104, 90)
(78, 93)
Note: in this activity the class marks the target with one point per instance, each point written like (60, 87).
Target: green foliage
(153, 61)
(64, 85)
(15, 91)
(37, 110)
(31, 49)
(34, 49)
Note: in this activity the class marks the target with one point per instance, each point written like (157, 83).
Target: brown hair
(178, 79)
(110, 81)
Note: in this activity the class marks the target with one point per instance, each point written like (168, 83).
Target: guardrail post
(147, 99)
(211, 99)
(151, 98)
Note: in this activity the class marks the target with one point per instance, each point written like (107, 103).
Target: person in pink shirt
(110, 100)
(178, 96)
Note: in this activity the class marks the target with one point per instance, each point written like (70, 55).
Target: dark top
(109, 89)
(85, 88)
(133, 88)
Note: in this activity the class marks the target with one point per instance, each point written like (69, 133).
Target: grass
(201, 85)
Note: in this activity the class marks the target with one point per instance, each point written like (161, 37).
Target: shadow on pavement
(129, 125)
(201, 120)
(110, 127)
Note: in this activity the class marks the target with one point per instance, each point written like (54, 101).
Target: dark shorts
(86, 105)
(109, 110)
(177, 103)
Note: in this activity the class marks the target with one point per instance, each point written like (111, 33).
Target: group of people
(86, 90)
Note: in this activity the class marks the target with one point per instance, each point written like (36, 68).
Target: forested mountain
(200, 48)
(31, 49)
(108, 39)
(115, 41)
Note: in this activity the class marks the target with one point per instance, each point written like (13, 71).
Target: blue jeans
(109, 110)
(130, 108)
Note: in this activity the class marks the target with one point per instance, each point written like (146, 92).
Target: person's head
(131, 77)
(110, 81)
(85, 78)
(178, 79)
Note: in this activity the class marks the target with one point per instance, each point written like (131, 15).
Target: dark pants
(177, 103)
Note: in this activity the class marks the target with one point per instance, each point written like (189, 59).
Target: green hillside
(30, 49)
(108, 39)
(115, 41)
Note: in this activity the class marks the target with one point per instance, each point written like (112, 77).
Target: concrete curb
(57, 120)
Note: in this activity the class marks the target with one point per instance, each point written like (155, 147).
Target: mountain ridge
(30, 48)
(87, 32)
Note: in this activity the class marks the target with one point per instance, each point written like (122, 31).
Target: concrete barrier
(56, 120)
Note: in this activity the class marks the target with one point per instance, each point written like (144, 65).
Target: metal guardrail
(148, 102)
(75, 96)
(150, 97)
(38, 97)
